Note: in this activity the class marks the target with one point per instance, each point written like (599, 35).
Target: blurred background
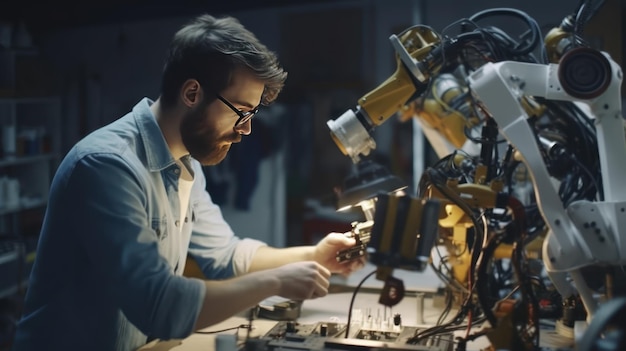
(68, 68)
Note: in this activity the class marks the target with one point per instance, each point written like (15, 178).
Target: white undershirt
(184, 188)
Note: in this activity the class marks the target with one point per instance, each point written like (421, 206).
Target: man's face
(208, 129)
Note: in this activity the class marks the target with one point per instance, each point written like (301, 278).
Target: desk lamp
(360, 189)
(363, 185)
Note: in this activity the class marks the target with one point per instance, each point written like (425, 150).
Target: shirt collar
(158, 155)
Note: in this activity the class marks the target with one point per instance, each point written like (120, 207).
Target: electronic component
(281, 311)
(330, 336)
(358, 250)
(401, 235)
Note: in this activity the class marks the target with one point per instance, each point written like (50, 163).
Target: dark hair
(209, 49)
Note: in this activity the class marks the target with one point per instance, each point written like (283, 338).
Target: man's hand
(326, 254)
(303, 280)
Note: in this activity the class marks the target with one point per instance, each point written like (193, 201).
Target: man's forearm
(226, 298)
(269, 257)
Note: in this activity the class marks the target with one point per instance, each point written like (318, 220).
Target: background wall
(335, 52)
(107, 68)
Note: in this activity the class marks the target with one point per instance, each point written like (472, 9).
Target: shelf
(17, 160)
(31, 129)
(6, 257)
(12, 290)
(31, 205)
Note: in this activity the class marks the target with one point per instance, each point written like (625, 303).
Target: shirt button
(177, 223)
(176, 171)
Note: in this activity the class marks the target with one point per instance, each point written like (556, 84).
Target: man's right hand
(303, 280)
(297, 281)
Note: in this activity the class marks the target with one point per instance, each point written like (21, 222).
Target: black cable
(241, 326)
(586, 10)
(532, 25)
(352, 301)
(451, 326)
(452, 283)
(448, 307)
(528, 296)
(432, 176)
(482, 277)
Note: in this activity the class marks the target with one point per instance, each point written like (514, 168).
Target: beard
(202, 140)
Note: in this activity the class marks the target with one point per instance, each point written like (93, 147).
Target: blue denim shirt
(108, 270)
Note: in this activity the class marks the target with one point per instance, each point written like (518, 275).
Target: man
(128, 204)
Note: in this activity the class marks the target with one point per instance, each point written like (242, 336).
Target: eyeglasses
(243, 116)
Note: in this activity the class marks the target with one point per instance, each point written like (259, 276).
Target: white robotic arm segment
(597, 221)
(595, 69)
(586, 232)
(611, 138)
(500, 88)
(593, 78)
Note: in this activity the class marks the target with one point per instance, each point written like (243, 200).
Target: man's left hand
(326, 254)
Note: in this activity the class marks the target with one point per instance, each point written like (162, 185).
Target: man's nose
(244, 128)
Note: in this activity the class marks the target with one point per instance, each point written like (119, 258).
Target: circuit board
(326, 336)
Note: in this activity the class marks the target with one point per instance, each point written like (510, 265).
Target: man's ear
(191, 92)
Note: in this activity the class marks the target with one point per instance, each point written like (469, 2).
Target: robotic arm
(351, 131)
(575, 158)
(585, 232)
